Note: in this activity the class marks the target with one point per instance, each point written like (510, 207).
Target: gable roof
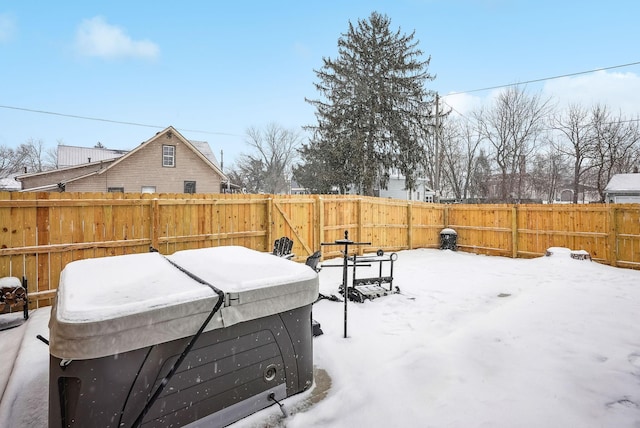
(623, 183)
(200, 148)
(186, 142)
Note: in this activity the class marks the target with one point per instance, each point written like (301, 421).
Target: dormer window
(168, 156)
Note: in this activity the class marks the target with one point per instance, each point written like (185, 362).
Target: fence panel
(210, 220)
(427, 220)
(483, 229)
(384, 224)
(573, 226)
(627, 230)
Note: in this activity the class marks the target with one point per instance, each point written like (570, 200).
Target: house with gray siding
(166, 163)
(623, 189)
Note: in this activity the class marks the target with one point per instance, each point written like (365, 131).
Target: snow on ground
(26, 394)
(471, 341)
(561, 348)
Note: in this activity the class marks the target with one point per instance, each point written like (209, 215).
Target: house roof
(204, 148)
(60, 185)
(10, 184)
(73, 155)
(623, 183)
(67, 168)
(186, 142)
(200, 148)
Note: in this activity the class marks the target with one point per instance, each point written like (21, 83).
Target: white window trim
(168, 156)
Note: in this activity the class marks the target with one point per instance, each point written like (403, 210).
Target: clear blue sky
(221, 67)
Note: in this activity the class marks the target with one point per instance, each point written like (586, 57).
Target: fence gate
(294, 218)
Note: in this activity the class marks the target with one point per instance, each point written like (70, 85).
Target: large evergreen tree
(374, 109)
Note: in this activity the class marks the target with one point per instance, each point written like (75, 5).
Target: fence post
(155, 223)
(270, 224)
(360, 226)
(445, 216)
(319, 232)
(409, 226)
(514, 232)
(613, 236)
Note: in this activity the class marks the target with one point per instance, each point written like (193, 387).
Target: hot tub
(120, 323)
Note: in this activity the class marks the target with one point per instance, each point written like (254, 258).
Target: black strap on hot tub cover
(187, 349)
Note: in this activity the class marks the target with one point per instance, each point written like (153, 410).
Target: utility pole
(436, 180)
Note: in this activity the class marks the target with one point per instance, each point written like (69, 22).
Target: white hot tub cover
(110, 305)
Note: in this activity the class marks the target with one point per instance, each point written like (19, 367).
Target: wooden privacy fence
(609, 232)
(41, 232)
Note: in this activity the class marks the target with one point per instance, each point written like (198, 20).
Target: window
(189, 187)
(169, 156)
(115, 189)
(148, 189)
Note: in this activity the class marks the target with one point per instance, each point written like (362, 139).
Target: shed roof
(623, 183)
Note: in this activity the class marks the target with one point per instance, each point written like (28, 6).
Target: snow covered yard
(560, 348)
(471, 341)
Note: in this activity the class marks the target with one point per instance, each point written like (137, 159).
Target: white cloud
(619, 91)
(7, 28)
(95, 37)
(462, 103)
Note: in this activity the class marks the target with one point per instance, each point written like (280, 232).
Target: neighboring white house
(396, 189)
(623, 189)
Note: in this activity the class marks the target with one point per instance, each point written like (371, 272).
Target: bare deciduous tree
(11, 160)
(460, 156)
(548, 167)
(268, 166)
(576, 141)
(480, 175)
(513, 126)
(31, 156)
(36, 156)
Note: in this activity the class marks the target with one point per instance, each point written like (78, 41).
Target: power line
(542, 79)
(120, 122)
(454, 109)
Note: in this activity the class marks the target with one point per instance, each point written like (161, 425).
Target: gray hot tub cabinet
(119, 323)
